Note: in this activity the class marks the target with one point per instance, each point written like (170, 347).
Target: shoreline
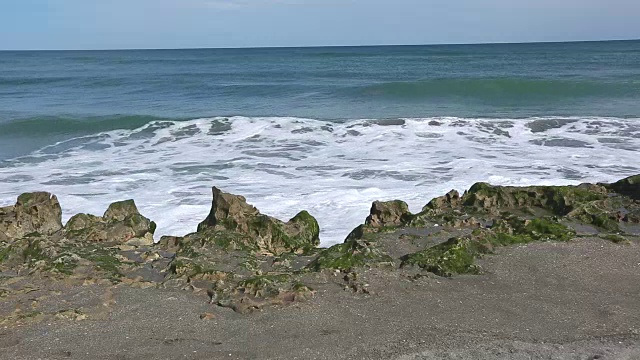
(495, 272)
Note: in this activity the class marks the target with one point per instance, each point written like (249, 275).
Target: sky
(122, 24)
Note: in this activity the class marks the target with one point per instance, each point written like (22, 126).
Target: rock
(120, 224)
(389, 213)
(231, 214)
(37, 212)
(207, 316)
(170, 243)
(560, 200)
(147, 240)
(304, 229)
(73, 314)
(353, 253)
(628, 187)
(447, 202)
(229, 211)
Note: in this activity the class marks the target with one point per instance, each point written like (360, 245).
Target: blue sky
(109, 24)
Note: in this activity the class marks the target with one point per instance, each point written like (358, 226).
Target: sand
(575, 300)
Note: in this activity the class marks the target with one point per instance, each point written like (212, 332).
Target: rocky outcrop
(121, 223)
(245, 260)
(37, 212)
(451, 231)
(449, 202)
(258, 232)
(390, 213)
(628, 187)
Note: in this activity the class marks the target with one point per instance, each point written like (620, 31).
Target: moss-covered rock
(602, 214)
(33, 212)
(305, 227)
(447, 202)
(628, 187)
(256, 292)
(230, 215)
(121, 223)
(348, 255)
(514, 230)
(455, 256)
(560, 200)
(388, 214)
(615, 238)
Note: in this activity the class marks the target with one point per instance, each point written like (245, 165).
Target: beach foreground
(497, 272)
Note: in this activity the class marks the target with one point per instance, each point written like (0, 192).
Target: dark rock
(37, 212)
(628, 187)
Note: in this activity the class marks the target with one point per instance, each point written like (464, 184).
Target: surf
(332, 169)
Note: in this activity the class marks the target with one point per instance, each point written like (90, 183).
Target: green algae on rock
(244, 260)
(496, 216)
(629, 187)
(389, 213)
(121, 223)
(33, 212)
(232, 213)
(350, 254)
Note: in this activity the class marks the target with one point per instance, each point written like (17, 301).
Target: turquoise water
(322, 128)
(53, 94)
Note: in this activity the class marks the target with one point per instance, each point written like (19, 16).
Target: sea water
(328, 130)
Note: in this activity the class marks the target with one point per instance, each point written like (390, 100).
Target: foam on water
(334, 170)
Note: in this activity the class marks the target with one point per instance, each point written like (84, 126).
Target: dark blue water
(503, 80)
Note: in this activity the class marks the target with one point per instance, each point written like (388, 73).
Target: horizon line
(331, 46)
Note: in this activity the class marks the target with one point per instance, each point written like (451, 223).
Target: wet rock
(628, 187)
(121, 223)
(37, 212)
(246, 260)
(232, 214)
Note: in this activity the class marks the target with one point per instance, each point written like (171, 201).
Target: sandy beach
(576, 300)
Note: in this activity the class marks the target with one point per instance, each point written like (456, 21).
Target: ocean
(326, 129)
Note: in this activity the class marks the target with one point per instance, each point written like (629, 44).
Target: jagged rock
(121, 223)
(254, 293)
(245, 260)
(37, 212)
(231, 213)
(354, 252)
(558, 199)
(628, 187)
(146, 240)
(389, 213)
(170, 243)
(449, 201)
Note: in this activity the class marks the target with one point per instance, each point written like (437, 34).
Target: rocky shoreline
(243, 260)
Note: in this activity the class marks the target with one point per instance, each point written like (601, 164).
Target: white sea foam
(334, 170)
